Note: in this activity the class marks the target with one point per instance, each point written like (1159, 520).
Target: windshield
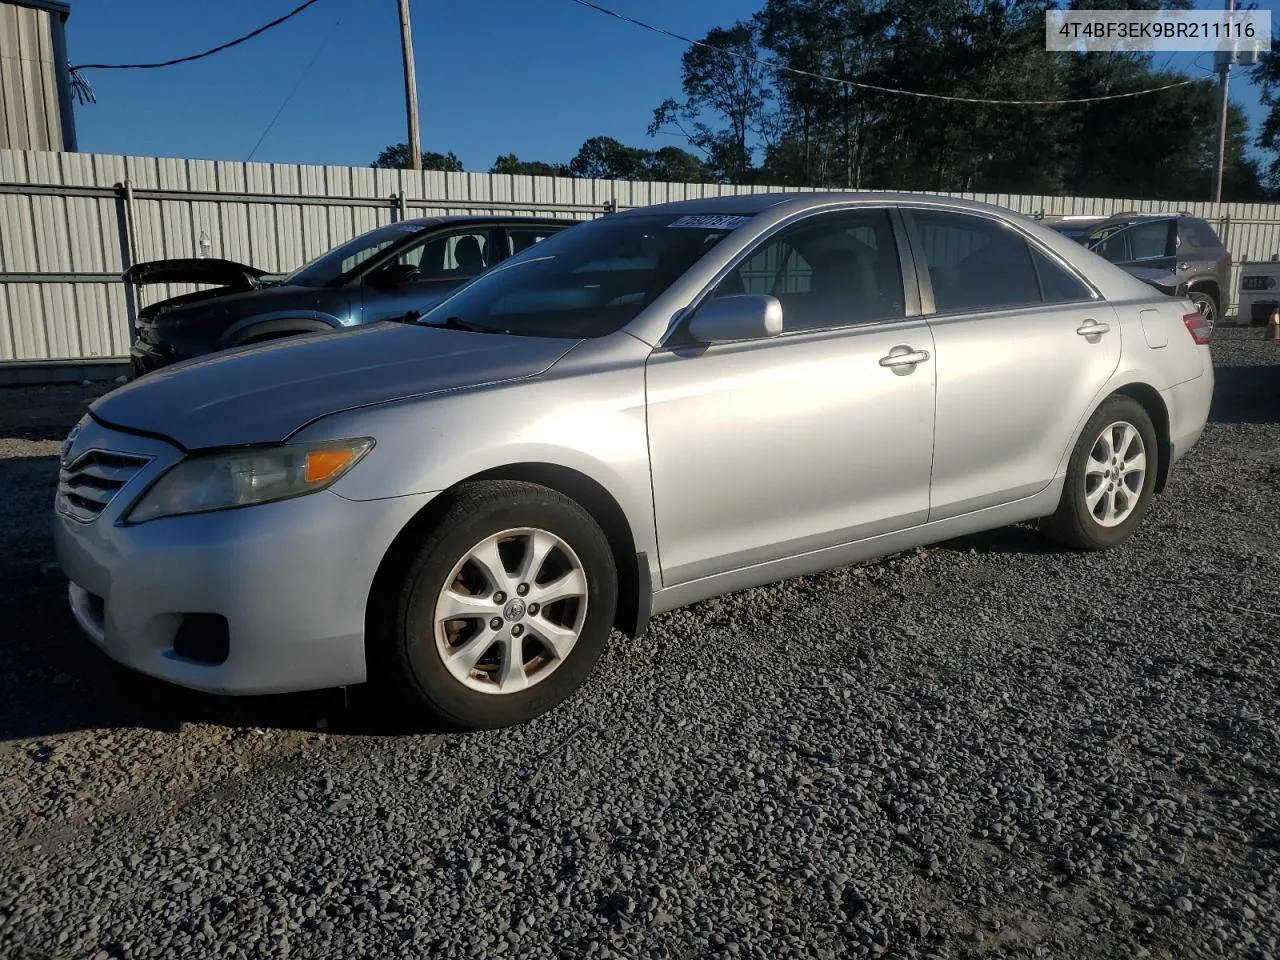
(588, 281)
(341, 260)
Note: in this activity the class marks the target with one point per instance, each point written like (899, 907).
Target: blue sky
(533, 77)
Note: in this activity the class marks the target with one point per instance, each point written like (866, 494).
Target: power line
(196, 56)
(302, 76)
(781, 68)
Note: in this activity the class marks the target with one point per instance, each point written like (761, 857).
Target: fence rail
(71, 223)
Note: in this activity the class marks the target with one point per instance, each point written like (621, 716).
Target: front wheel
(1110, 478)
(506, 608)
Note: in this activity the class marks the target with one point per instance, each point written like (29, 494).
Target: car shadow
(55, 681)
(1247, 394)
(1020, 539)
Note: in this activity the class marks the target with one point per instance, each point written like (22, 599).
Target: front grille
(92, 481)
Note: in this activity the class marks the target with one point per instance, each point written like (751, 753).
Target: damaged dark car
(385, 274)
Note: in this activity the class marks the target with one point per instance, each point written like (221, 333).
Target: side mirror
(743, 316)
(392, 275)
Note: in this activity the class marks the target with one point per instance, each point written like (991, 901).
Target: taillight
(1198, 327)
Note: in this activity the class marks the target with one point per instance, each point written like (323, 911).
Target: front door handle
(1092, 328)
(904, 356)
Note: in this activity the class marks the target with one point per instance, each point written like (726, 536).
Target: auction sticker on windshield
(709, 221)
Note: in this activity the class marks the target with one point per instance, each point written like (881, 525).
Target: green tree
(822, 122)
(1267, 76)
(1162, 146)
(510, 163)
(724, 84)
(604, 158)
(396, 157)
(673, 165)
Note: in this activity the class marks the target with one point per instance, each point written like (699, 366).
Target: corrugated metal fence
(70, 223)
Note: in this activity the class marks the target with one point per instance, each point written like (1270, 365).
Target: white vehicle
(1259, 292)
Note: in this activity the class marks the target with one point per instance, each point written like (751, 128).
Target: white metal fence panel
(68, 226)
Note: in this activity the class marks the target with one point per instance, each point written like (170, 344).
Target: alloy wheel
(511, 611)
(1115, 473)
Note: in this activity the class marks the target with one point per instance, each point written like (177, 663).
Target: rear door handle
(904, 357)
(1092, 328)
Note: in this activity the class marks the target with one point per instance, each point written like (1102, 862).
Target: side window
(1149, 239)
(975, 263)
(1058, 284)
(449, 256)
(827, 271)
(1115, 247)
(522, 238)
(1199, 234)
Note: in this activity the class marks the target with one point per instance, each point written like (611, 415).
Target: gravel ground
(988, 748)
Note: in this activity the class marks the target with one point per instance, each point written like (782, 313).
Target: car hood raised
(264, 393)
(227, 273)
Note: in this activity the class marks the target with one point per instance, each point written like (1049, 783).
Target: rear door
(1024, 346)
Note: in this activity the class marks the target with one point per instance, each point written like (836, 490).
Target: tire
(425, 656)
(1090, 518)
(1207, 306)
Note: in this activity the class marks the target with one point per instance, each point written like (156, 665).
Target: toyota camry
(652, 408)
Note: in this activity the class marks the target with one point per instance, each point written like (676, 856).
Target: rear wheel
(1110, 478)
(505, 609)
(1207, 306)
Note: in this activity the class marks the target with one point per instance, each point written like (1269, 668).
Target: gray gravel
(989, 748)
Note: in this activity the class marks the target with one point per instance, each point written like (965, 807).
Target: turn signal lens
(323, 464)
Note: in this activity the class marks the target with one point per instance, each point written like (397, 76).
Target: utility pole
(1224, 81)
(415, 144)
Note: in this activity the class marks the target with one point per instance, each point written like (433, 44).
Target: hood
(264, 393)
(224, 273)
(220, 305)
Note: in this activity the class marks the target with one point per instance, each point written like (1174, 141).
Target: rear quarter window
(1199, 234)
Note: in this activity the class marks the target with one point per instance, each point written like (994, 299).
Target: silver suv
(635, 414)
(1178, 254)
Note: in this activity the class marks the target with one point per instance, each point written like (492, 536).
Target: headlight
(239, 478)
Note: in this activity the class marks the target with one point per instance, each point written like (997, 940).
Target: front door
(820, 436)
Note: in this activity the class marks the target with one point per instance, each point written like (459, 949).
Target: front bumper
(290, 578)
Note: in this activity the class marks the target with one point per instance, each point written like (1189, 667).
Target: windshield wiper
(457, 323)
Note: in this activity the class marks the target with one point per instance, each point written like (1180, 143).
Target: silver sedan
(641, 412)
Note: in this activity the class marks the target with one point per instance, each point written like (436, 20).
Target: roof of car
(754, 203)
(482, 218)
